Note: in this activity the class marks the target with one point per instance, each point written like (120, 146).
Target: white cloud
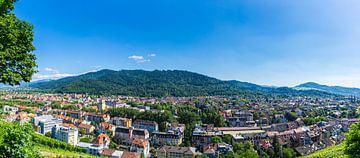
(136, 57)
(51, 76)
(152, 55)
(51, 70)
(139, 58)
(96, 66)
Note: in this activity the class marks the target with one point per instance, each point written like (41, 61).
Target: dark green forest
(159, 84)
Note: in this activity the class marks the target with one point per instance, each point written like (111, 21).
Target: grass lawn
(53, 152)
(336, 151)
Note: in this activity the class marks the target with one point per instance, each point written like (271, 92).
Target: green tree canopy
(17, 62)
(352, 145)
(216, 139)
(15, 140)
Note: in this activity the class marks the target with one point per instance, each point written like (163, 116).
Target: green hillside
(331, 89)
(336, 151)
(17, 140)
(159, 83)
(46, 151)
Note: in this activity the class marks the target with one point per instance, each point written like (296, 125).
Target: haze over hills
(331, 89)
(160, 83)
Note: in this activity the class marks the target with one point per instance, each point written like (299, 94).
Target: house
(242, 134)
(110, 153)
(124, 135)
(202, 135)
(88, 129)
(65, 134)
(141, 146)
(118, 121)
(102, 140)
(10, 109)
(98, 118)
(305, 150)
(176, 152)
(151, 126)
(92, 149)
(128, 154)
(97, 146)
(214, 150)
(166, 138)
(24, 117)
(104, 127)
(74, 114)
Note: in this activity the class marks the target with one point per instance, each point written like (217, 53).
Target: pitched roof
(140, 142)
(69, 125)
(82, 125)
(180, 150)
(101, 139)
(107, 152)
(128, 154)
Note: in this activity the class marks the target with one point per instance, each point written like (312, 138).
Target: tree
(48, 134)
(227, 138)
(291, 116)
(288, 153)
(201, 156)
(352, 143)
(245, 150)
(17, 62)
(277, 147)
(29, 110)
(15, 140)
(212, 117)
(216, 139)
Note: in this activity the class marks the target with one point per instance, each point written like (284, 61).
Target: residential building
(176, 152)
(124, 135)
(202, 135)
(98, 118)
(111, 153)
(151, 126)
(118, 121)
(106, 127)
(65, 134)
(166, 138)
(10, 109)
(141, 146)
(46, 123)
(214, 150)
(128, 154)
(97, 146)
(88, 129)
(102, 140)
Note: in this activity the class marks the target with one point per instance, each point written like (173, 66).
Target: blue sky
(269, 42)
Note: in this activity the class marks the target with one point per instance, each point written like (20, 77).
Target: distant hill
(330, 89)
(277, 90)
(158, 83)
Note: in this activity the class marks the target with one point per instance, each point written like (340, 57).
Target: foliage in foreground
(17, 62)
(352, 143)
(336, 151)
(20, 141)
(15, 140)
(56, 152)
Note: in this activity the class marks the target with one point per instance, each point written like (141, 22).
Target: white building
(46, 123)
(10, 109)
(65, 134)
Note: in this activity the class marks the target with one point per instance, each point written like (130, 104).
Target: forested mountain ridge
(330, 89)
(157, 83)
